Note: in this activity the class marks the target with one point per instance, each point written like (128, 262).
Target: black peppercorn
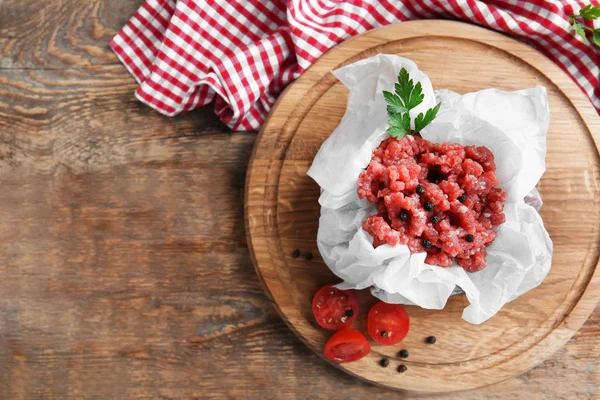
(421, 189)
(403, 353)
(404, 215)
(462, 197)
(384, 362)
(384, 334)
(296, 253)
(428, 206)
(430, 339)
(426, 243)
(349, 313)
(470, 238)
(402, 368)
(308, 256)
(435, 219)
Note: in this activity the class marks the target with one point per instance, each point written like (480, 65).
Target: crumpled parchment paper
(511, 124)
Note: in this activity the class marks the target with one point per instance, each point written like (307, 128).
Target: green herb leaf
(422, 121)
(406, 90)
(597, 37)
(399, 125)
(584, 10)
(406, 97)
(590, 12)
(416, 97)
(394, 103)
(396, 132)
(404, 87)
(580, 30)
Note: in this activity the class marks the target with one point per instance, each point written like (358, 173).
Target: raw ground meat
(459, 181)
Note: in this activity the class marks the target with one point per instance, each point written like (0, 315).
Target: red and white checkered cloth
(242, 53)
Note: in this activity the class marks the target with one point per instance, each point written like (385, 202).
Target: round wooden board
(282, 211)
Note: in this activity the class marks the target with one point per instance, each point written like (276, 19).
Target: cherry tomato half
(387, 323)
(334, 308)
(346, 345)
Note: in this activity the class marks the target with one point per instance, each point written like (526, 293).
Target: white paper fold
(511, 124)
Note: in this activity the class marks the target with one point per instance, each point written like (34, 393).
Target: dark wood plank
(120, 275)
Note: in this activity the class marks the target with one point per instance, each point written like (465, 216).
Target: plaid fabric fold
(242, 53)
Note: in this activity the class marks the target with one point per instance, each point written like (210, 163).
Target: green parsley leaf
(396, 132)
(580, 30)
(590, 12)
(394, 103)
(404, 87)
(406, 90)
(416, 97)
(597, 37)
(399, 125)
(396, 120)
(406, 97)
(587, 13)
(422, 121)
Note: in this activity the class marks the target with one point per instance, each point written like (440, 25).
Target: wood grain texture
(283, 212)
(120, 275)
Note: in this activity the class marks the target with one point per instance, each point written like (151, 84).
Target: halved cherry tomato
(334, 308)
(387, 323)
(346, 345)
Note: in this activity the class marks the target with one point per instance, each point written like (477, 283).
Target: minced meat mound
(440, 198)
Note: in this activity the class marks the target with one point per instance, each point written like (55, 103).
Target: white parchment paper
(511, 124)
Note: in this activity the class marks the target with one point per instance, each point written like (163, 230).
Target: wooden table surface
(121, 274)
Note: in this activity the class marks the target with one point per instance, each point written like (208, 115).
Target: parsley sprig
(406, 96)
(587, 13)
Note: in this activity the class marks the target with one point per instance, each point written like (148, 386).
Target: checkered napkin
(242, 53)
